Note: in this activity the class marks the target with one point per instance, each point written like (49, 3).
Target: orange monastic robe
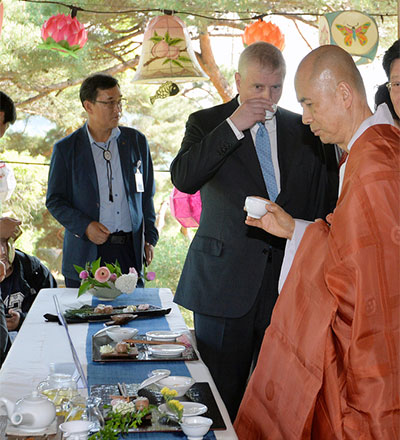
(330, 360)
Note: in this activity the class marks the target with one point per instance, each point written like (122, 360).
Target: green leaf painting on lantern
(167, 47)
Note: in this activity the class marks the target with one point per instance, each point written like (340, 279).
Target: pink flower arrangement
(102, 274)
(64, 34)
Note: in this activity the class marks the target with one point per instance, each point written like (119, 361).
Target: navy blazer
(73, 194)
(226, 261)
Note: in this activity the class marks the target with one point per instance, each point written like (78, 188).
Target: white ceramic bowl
(255, 207)
(76, 429)
(118, 334)
(179, 383)
(196, 427)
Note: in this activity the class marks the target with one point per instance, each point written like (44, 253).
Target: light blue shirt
(114, 215)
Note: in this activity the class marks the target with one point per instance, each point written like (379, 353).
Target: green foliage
(118, 424)
(169, 256)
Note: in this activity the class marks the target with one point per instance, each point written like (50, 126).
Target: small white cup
(269, 114)
(255, 206)
(76, 429)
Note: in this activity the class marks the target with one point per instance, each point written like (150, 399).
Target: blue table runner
(134, 372)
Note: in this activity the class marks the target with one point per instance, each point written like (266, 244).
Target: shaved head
(331, 65)
(331, 92)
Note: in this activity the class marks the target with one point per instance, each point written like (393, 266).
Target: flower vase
(105, 293)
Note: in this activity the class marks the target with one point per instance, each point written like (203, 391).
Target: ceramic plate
(163, 335)
(166, 350)
(189, 409)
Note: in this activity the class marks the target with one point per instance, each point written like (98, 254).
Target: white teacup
(255, 206)
(270, 114)
(76, 430)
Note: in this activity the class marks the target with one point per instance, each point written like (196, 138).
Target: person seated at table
(24, 276)
(389, 93)
(329, 364)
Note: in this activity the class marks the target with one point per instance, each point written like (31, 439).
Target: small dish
(180, 384)
(189, 409)
(196, 427)
(118, 334)
(163, 335)
(166, 350)
(159, 371)
(76, 429)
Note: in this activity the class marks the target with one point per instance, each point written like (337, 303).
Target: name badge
(139, 178)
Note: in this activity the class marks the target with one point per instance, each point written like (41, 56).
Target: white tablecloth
(40, 343)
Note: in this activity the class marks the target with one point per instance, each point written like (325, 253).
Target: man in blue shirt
(101, 186)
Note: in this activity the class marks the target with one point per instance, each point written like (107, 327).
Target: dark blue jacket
(73, 194)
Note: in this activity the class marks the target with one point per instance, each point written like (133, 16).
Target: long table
(40, 343)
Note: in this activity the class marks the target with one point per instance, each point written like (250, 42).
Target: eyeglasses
(112, 104)
(394, 85)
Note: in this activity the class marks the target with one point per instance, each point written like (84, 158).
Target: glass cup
(60, 389)
(82, 408)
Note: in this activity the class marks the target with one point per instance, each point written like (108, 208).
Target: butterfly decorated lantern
(353, 31)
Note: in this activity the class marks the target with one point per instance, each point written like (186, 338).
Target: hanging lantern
(263, 31)
(353, 31)
(64, 33)
(186, 208)
(167, 53)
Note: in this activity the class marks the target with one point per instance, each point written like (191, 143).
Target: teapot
(33, 413)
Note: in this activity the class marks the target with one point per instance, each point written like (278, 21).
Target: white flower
(105, 349)
(129, 309)
(123, 407)
(126, 283)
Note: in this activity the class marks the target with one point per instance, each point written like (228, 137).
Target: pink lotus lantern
(186, 208)
(64, 33)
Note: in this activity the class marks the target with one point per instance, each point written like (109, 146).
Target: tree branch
(65, 84)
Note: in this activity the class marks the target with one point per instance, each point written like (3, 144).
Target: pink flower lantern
(186, 208)
(64, 33)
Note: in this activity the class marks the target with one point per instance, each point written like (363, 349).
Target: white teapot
(32, 413)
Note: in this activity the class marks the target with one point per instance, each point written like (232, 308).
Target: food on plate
(122, 347)
(106, 349)
(141, 403)
(108, 309)
(122, 319)
(103, 309)
(143, 307)
(99, 308)
(129, 309)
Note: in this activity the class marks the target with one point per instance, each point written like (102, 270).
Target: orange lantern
(263, 31)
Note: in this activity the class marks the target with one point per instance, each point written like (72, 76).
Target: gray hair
(266, 54)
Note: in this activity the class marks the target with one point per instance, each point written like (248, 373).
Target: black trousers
(230, 346)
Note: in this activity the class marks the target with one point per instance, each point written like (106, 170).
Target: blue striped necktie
(263, 148)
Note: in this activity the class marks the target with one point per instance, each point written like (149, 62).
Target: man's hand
(97, 233)
(13, 321)
(276, 221)
(250, 112)
(148, 253)
(9, 227)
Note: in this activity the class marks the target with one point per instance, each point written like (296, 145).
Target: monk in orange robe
(330, 359)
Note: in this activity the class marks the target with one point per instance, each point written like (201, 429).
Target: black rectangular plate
(199, 392)
(144, 355)
(86, 313)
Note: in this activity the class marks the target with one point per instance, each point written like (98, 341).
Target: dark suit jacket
(73, 194)
(226, 260)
